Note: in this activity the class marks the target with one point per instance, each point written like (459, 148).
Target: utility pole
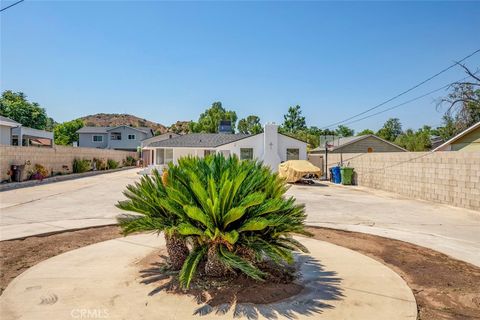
(326, 157)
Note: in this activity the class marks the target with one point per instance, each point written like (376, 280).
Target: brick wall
(56, 159)
(446, 177)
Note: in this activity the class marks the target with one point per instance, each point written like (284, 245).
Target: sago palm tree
(147, 198)
(235, 213)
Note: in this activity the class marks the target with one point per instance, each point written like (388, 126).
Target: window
(208, 152)
(97, 138)
(168, 155)
(293, 154)
(116, 136)
(131, 137)
(164, 156)
(226, 153)
(246, 153)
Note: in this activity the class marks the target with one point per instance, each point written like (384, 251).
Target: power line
(14, 4)
(403, 92)
(404, 103)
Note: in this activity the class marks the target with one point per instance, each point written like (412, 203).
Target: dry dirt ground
(444, 288)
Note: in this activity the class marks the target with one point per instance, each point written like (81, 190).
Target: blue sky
(168, 61)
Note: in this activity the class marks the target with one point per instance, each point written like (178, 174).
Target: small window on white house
(208, 152)
(131, 137)
(168, 155)
(246, 153)
(226, 153)
(97, 138)
(116, 136)
(293, 154)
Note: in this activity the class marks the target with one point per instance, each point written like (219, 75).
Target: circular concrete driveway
(103, 280)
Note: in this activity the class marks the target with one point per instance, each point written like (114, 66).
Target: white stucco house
(6, 126)
(271, 147)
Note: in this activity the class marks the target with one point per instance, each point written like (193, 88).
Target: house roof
(106, 129)
(4, 121)
(31, 132)
(93, 130)
(142, 129)
(200, 140)
(344, 141)
(146, 142)
(458, 136)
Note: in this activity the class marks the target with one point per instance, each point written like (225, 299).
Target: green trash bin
(347, 175)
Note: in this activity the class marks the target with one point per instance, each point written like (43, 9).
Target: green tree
(14, 105)
(51, 124)
(390, 130)
(448, 130)
(344, 131)
(65, 133)
(365, 132)
(250, 125)
(415, 140)
(209, 120)
(293, 120)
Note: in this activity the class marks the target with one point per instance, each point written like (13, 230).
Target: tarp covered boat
(295, 170)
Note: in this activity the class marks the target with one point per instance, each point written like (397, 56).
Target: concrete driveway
(90, 202)
(71, 204)
(450, 230)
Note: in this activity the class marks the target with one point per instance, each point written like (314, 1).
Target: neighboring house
(466, 141)
(6, 125)
(118, 138)
(13, 133)
(359, 144)
(270, 147)
(29, 137)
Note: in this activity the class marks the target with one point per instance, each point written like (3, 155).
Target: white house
(271, 147)
(6, 125)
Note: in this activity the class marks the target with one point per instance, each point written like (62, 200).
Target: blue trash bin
(337, 177)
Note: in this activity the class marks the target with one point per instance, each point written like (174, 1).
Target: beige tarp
(295, 170)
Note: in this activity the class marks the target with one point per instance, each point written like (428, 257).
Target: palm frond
(235, 262)
(190, 265)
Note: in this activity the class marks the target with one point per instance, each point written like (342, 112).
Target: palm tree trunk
(214, 267)
(177, 251)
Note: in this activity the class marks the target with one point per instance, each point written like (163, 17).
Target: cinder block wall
(446, 177)
(56, 159)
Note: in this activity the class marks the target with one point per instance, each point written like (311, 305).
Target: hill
(115, 119)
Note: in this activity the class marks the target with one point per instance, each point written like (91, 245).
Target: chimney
(225, 126)
(270, 146)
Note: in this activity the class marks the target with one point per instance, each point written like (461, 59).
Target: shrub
(129, 161)
(112, 164)
(41, 170)
(100, 164)
(233, 212)
(81, 165)
(38, 172)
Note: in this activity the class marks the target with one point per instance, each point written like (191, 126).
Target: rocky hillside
(114, 119)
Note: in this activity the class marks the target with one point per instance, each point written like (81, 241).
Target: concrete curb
(71, 176)
(51, 233)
